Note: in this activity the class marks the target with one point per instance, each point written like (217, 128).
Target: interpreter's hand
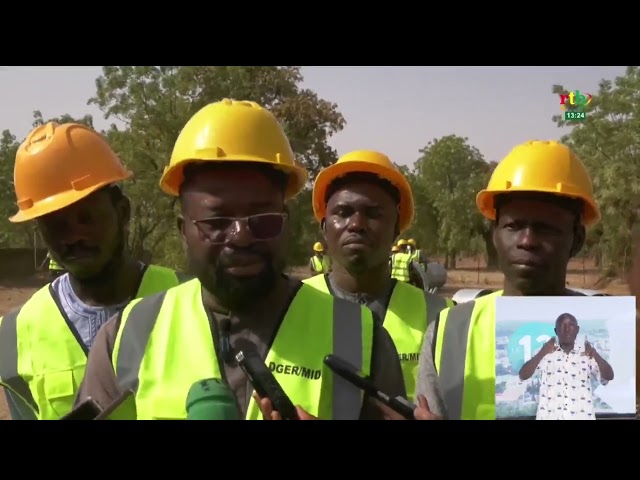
(268, 413)
(423, 412)
(549, 346)
(589, 351)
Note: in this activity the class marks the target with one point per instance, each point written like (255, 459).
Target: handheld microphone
(210, 399)
(350, 373)
(225, 340)
(90, 410)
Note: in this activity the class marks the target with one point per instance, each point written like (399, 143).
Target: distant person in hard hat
(401, 262)
(402, 267)
(319, 263)
(66, 181)
(417, 254)
(237, 246)
(363, 203)
(540, 198)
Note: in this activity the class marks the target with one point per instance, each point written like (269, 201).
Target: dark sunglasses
(263, 226)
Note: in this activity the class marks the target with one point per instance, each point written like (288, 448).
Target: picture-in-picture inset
(565, 358)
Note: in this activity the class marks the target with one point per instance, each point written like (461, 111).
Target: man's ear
(124, 211)
(579, 237)
(181, 225)
(323, 224)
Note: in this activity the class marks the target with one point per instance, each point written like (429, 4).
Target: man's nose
(528, 240)
(239, 233)
(357, 222)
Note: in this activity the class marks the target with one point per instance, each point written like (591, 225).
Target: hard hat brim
(173, 175)
(485, 201)
(337, 170)
(60, 201)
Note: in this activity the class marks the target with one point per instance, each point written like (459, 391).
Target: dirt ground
(470, 273)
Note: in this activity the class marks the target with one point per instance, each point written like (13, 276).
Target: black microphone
(225, 340)
(90, 410)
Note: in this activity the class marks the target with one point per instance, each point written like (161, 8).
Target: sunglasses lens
(267, 226)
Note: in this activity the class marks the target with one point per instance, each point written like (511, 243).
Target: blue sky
(396, 110)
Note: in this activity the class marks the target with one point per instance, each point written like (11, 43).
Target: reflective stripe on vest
(175, 323)
(41, 359)
(400, 266)
(464, 355)
(409, 313)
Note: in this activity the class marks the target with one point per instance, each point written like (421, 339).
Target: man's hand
(589, 351)
(268, 413)
(549, 346)
(423, 412)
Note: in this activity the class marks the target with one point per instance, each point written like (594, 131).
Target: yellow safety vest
(409, 313)
(320, 266)
(41, 360)
(400, 266)
(166, 343)
(465, 358)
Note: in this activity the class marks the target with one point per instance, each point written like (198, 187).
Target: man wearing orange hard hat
(65, 180)
(233, 170)
(363, 202)
(540, 198)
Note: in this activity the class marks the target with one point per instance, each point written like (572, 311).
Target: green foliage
(608, 142)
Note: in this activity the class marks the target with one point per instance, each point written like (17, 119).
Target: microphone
(225, 340)
(118, 410)
(210, 399)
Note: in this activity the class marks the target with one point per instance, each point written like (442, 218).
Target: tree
(449, 174)
(155, 102)
(608, 142)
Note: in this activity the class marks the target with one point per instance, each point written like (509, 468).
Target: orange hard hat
(233, 131)
(370, 162)
(60, 164)
(544, 167)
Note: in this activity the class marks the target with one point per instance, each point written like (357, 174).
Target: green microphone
(211, 399)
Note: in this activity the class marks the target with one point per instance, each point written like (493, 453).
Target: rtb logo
(574, 104)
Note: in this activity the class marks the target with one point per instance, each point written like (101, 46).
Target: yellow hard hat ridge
(542, 167)
(366, 161)
(233, 131)
(317, 247)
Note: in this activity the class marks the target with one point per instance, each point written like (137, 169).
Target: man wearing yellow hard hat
(363, 203)
(540, 198)
(65, 179)
(401, 266)
(233, 170)
(319, 262)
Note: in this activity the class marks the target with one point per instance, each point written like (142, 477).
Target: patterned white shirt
(565, 385)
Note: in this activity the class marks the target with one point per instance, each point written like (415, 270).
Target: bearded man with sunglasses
(233, 170)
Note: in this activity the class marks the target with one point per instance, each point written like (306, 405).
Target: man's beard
(236, 293)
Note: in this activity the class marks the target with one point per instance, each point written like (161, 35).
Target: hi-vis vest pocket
(165, 408)
(58, 391)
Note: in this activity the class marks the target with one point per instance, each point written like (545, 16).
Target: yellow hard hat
(545, 167)
(317, 247)
(402, 243)
(370, 162)
(411, 242)
(60, 164)
(233, 131)
(395, 249)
